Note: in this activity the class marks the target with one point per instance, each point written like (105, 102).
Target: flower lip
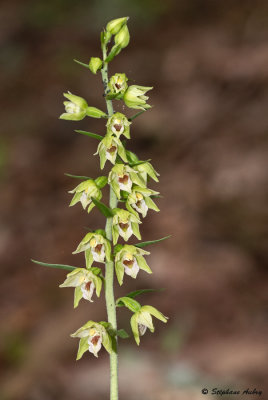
(128, 263)
(123, 179)
(95, 340)
(112, 149)
(123, 226)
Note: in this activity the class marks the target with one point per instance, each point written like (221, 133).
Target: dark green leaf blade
(83, 178)
(144, 244)
(106, 211)
(58, 266)
(90, 134)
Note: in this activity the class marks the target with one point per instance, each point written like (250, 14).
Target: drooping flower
(134, 97)
(122, 177)
(96, 247)
(84, 193)
(145, 169)
(129, 259)
(95, 64)
(84, 281)
(139, 200)
(125, 224)
(92, 336)
(77, 109)
(142, 319)
(117, 85)
(118, 124)
(108, 149)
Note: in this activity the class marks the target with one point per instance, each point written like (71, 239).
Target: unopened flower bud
(95, 64)
(115, 25)
(121, 39)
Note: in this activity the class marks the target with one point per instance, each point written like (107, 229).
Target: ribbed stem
(109, 266)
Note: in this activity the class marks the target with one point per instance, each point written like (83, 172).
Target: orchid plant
(129, 201)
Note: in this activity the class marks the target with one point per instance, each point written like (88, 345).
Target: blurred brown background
(206, 135)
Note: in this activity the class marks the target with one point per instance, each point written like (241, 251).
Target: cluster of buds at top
(127, 179)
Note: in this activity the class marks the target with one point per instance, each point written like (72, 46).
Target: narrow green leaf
(122, 334)
(144, 244)
(141, 291)
(83, 64)
(136, 115)
(83, 178)
(59, 266)
(90, 134)
(106, 211)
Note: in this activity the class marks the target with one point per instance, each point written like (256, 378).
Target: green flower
(122, 177)
(125, 224)
(142, 320)
(118, 85)
(92, 336)
(134, 97)
(140, 200)
(145, 169)
(115, 25)
(95, 63)
(129, 260)
(84, 193)
(109, 148)
(118, 125)
(77, 109)
(96, 247)
(84, 281)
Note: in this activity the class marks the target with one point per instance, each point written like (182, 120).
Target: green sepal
(96, 113)
(132, 157)
(119, 270)
(90, 134)
(82, 348)
(100, 232)
(101, 181)
(122, 334)
(153, 311)
(78, 294)
(143, 264)
(106, 211)
(128, 302)
(135, 329)
(57, 266)
(144, 244)
(88, 258)
(117, 248)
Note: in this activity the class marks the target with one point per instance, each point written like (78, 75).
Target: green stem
(109, 266)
